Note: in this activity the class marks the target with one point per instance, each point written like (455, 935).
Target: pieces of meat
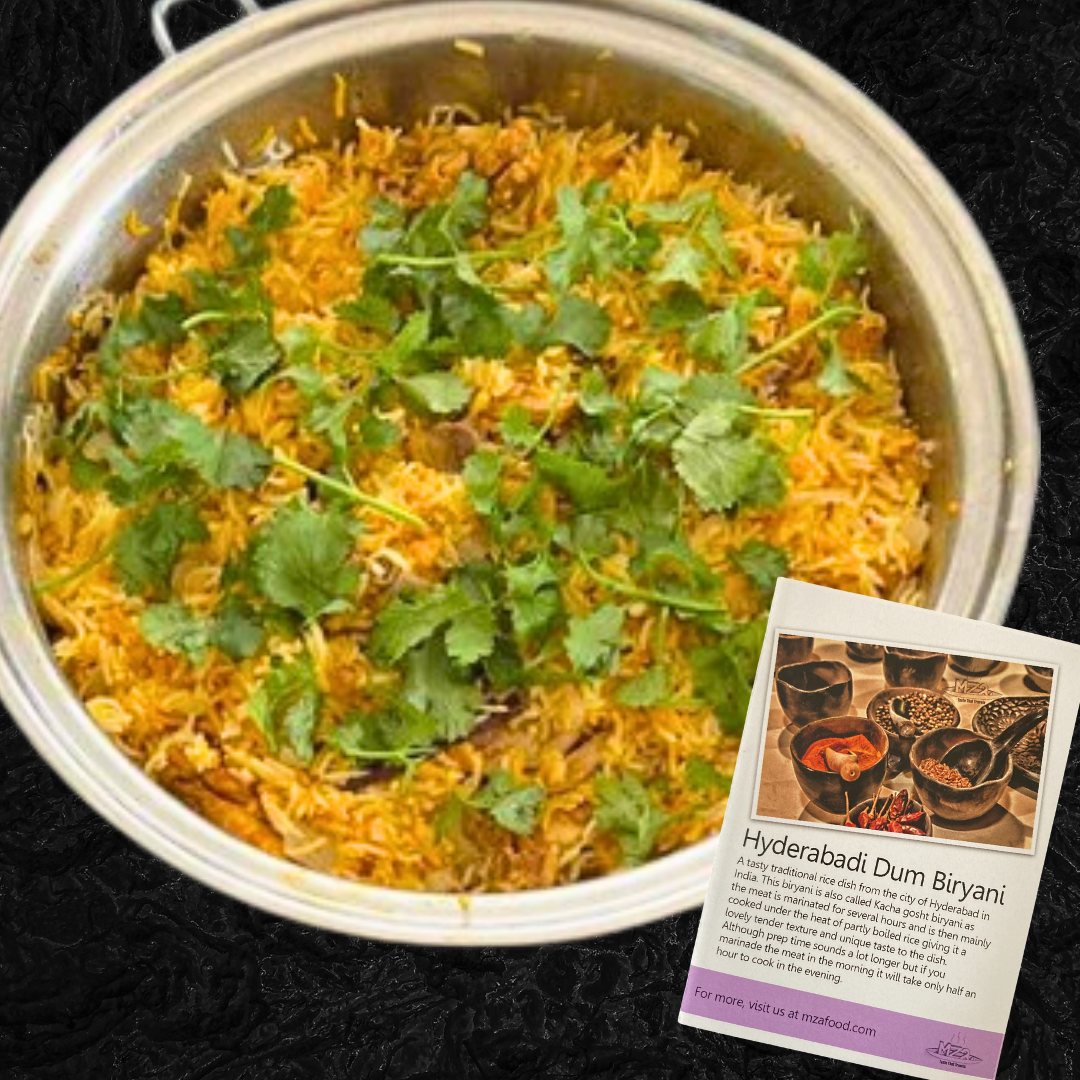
(244, 819)
(444, 446)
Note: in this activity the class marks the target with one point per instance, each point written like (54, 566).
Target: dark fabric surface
(114, 965)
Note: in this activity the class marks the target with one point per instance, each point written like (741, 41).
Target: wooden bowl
(913, 804)
(976, 666)
(865, 654)
(1040, 677)
(913, 667)
(827, 789)
(814, 690)
(955, 804)
(793, 649)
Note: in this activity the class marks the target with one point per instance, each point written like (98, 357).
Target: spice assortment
(904, 736)
(943, 774)
(899, 813)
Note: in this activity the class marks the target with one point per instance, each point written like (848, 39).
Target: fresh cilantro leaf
(386, 226)
(513, 805)
(724, 673)
(166, 445)
(588, 536)
(724, 336)
(679, 308)
(702, 775)
(372, 312)
(399, 734)
(580, 323)
(575, 255)
(286, 706)
(711, 234)
(824, 262)
(594, 395)
(649, 688)
(440, 392)
(592, 641)
(836, 378)
(683, 263)
(148, 547)
(466, 213)
(482, 473)
(448, 818)
(517, 428)
(532, 596)
(158, 322)
(236, 630)
(409, 342)
(410, 619)
(244, 354)
(376, 433)
(228, 460)
(528, 325)
(625, 809)
(586, 485)
(704, 235)
(300, 560)
(435, 686)
(330, 417)
(762, 564)
(162, 319)
(222, 297)
(174, 627)
(126, 332)
(719, 465)
(477, 319)
(471, 635)
(274, 211)
(678, 211)
(595, 238)
(300, 344)
(768, 486)
(272, 214)
(87, 474)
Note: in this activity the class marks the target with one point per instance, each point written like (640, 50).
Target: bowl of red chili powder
(857, 735)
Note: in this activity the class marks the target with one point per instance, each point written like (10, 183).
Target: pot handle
(159, 22)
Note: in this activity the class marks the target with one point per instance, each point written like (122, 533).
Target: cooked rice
(854, 517)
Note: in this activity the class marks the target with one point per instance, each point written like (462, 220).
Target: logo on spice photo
(913, 742)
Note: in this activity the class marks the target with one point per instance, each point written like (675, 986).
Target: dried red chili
(894, 815)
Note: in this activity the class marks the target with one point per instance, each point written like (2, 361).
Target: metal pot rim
(60, 729)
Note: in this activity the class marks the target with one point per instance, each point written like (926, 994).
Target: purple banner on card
(834, 1022)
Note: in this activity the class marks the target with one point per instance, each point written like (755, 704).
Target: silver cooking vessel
(749, 101)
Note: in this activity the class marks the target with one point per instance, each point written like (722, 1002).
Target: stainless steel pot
(749, 100)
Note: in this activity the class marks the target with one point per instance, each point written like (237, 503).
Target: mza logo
(952, 1054)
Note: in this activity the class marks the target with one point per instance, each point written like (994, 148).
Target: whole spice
(924, 711)
(895, 815)
(939, 771)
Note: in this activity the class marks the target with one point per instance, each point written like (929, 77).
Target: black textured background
(114, 965)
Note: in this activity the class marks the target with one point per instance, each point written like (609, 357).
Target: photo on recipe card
(918, 743)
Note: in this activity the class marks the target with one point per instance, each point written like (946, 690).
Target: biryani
(415, 515)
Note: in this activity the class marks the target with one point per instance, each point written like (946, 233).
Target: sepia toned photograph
(913, 742)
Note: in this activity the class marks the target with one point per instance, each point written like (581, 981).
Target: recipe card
(885, 834)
